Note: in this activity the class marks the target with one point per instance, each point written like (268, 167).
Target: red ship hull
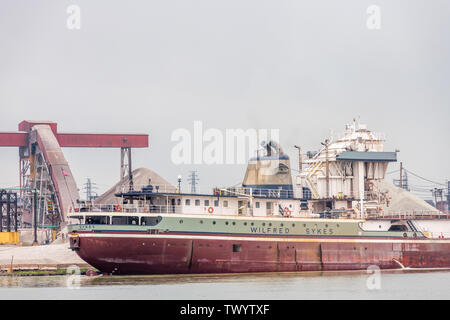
(159, 254)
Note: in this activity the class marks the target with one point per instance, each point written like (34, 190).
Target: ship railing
(373, 136)
(137, 207)
(161, 188)
(414, 214)
(157, 188)
(295, 192)
(255, 192)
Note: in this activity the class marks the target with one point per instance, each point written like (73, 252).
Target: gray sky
(304, 67)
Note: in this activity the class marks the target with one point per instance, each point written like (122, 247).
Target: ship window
(178, 202)
(97, 220)
(206, 203)
(216, 203)
(268, 205)
(150, 221)
(133, 220)
(188, 202)
(119, 220)
(225, 203)
(257, 205)
(237, 248)
(197, 202)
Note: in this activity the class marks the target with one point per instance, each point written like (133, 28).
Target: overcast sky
(303, 67)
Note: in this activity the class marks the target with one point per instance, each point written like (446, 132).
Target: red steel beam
(83, 140)
(13, 139)
(102, 140)
(27, 125)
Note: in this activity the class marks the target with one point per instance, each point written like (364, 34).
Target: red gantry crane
(45, 171)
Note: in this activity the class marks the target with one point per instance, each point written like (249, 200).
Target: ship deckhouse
(340, 180)
(345, 172)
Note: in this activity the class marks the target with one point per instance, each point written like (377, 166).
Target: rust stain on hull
(182, 256)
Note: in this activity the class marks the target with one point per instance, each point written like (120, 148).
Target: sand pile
(141, 177)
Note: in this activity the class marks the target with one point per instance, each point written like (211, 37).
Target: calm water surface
(313, 285)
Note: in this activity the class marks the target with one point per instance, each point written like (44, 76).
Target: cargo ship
(335, 215)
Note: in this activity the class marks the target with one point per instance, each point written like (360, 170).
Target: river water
(312, 285)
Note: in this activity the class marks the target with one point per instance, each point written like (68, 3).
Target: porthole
(337, 225)
(304, 225)
(181, 221)
(226, 222)
(326, 226)
(214, 222)
(270, 224)
(293, 224)
(263, 224)
(282, 225)
(245, 223)
(252, 223)
(234, 223)
(201, 221)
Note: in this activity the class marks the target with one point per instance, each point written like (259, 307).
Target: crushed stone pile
(403, 200)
